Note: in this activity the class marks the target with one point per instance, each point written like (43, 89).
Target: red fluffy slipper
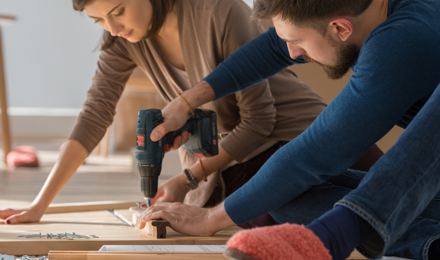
(23, 156)
(287, 241)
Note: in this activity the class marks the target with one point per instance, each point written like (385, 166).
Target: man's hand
(177, 112)
(187, 219)
(19, 215)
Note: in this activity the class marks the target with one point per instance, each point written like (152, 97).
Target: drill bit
(148, 202)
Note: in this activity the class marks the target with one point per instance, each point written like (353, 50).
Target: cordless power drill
(202, 143)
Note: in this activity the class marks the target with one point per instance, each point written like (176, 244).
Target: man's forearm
(218, 219)
(200, 94)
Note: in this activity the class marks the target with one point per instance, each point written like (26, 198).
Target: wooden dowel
(88, 206)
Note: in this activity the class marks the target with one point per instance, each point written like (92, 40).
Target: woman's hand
(20, 215)
(173, 190)
(178, 141)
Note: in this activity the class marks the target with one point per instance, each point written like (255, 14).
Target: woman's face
(129, 19)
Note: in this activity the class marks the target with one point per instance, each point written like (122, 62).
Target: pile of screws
(68, 236)
(25, 257)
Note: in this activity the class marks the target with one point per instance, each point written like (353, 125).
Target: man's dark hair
(308, 13)
(161, 8)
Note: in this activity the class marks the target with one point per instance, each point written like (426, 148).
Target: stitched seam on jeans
(412, 187)
(363, 211)
(349, 176)
(425, 248)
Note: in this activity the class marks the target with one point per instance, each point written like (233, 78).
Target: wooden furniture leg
(104, 144)
(158, 228)
(102, 148)
(6, 137)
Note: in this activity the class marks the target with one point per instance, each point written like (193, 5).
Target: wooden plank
(100, 223)
(93, 255)
(88, 206)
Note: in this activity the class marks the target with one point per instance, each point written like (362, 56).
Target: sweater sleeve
(255, 61)
(256, 108)
(114, 69)
(394, 71)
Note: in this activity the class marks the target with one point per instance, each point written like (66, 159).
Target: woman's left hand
(178, 141)
(173, 190)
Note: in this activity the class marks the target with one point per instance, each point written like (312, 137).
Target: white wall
(249, 2)
(49, 53)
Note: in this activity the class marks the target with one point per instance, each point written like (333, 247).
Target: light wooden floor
(111, 178)
(97, 179)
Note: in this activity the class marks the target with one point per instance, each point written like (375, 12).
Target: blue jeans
(399, 196)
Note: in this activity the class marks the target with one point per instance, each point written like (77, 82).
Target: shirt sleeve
(255, 61)
(114, 69)
(393, 72)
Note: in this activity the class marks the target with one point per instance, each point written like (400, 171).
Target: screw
(78, 236)
(35, 235)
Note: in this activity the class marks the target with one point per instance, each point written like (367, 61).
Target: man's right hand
(174, 115)
(188, 219)
(177, 112)
(20, 215)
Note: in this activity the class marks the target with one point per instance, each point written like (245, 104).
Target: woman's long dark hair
(161, 8)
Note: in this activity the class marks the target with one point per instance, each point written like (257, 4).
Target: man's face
(335, 56)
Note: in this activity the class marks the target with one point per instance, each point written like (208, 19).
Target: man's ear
(341, 28)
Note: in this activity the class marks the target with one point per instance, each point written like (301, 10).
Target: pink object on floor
(287, 241)
(24, 156)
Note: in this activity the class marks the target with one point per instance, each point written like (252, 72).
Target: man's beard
(346, 57)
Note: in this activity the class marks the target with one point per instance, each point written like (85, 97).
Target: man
(392, 47)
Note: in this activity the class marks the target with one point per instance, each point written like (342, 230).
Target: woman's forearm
(71, 157)
(211, 163)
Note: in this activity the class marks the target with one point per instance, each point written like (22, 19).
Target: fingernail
(155, 137)
(8, 221)
(143, 205)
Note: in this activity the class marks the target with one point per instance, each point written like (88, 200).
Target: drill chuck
(149, 174)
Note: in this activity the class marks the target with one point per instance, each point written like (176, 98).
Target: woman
(177, 43)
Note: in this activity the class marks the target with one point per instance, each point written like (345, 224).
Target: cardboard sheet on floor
(99, 223)
(164, 248)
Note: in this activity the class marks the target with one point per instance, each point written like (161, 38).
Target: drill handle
(189, 127)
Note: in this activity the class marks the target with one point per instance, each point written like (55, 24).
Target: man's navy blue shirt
(397, 70)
